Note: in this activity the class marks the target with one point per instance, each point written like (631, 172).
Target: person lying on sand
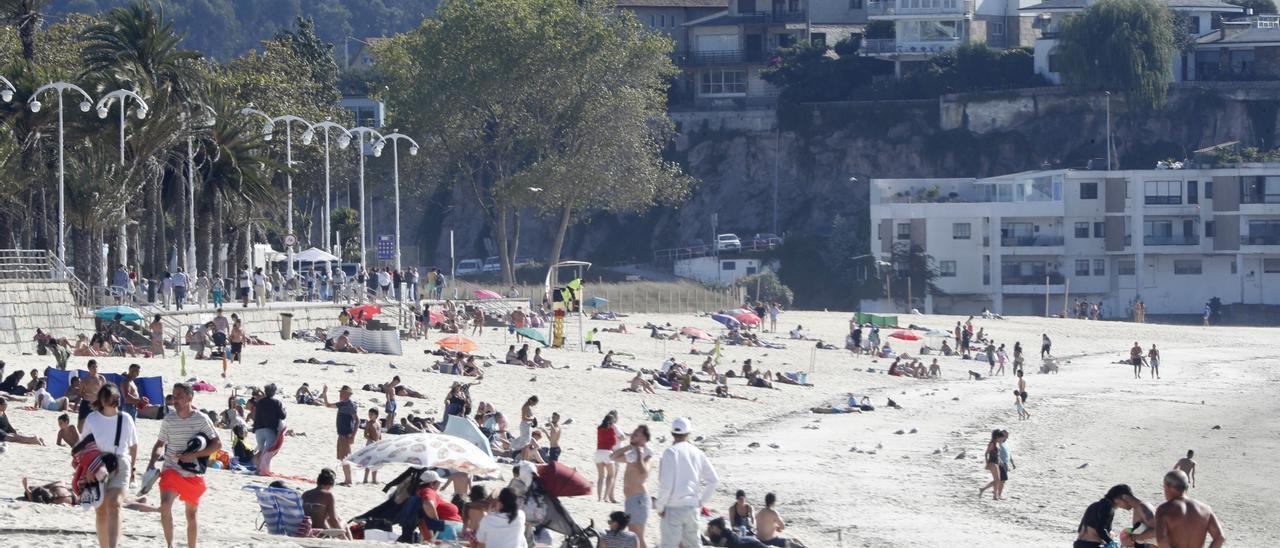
(622, 328)
(789, 378)
(722, 391)
(58, 493)
(654, 333)
(829, 409)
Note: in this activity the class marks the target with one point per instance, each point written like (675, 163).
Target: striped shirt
(619, 539)
(176, 431)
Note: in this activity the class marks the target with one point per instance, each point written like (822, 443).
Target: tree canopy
(1124, 46)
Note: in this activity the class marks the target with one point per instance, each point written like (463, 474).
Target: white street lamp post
(6, 94)
(104, 104)
(360, 132)
(343, 140)
(85, 105)
(395, 154)
(267, 131)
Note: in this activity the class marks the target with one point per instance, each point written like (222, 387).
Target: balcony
(1179, 239)
(1055, 278)
(890, 46)
(903, 8)
(1031, 241)
(725, 57)
(777, 17)
(1263, 239)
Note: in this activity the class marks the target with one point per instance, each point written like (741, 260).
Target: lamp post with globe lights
(360, 132)
(267, 131)
(6, 94)
(395, 155)
(35, 105)
(104, 105)
(344, 139)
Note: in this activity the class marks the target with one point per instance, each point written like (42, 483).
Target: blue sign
(386, 247)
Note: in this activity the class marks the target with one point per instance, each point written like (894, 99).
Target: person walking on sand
(992, 459)
(1187, 466)
(1153, 356)
(389, 390)
(268, 424)
(606, 441)
(1019, 406)
(1183, 522)
(348, 425)
(1045, 345)
(115, 434)
(1022, 386)
(636, 501)
(157, 337)
(1135, 359)
(686, 483)
(180, 476)
(774, 310)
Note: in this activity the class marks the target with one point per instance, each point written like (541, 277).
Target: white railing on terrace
(40, 264)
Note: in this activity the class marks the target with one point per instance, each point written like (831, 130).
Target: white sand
(903, 495)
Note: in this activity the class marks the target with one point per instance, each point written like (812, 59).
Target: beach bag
(559, 480)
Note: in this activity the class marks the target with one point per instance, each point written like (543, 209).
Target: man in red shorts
(176, 480)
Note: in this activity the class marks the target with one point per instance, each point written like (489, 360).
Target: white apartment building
(924, 28)
(1174, 238)
(1050, 14)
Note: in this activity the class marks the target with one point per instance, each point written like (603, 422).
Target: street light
(344, 139)
(104, 105)
(267, 130)
(6, 95)
(360, 132)
(34, 104)
(395, 154)
(190, 259)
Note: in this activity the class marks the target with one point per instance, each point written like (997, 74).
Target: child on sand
(1019, 406)
(371, 435)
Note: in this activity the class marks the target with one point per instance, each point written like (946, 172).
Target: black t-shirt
(5, 427)
(269, 413)
(729, 539)
(1099, 517)
(348, 421)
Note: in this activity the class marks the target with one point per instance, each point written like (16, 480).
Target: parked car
(525, 262)
(728, 242)
(492, 264)
(765, 240)
(468, 267)
(695, 246)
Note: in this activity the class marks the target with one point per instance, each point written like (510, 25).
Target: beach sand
(1092, 426)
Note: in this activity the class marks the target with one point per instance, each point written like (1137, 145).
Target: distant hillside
(227, 28)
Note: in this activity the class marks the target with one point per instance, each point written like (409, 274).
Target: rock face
(812, 151)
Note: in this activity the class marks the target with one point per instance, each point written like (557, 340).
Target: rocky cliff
(813, 151)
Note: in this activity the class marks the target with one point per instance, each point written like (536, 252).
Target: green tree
(914, 274)
(1259, 7)
(565, 114)
(1124, 46)
(766, 287)
(346, 221)
(26, 16)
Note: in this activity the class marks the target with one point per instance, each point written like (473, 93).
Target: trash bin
(286, 325)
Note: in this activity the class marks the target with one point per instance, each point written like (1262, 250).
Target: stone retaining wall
(29, 305)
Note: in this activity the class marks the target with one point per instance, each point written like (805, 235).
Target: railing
(1250, 198)
(1163, 200)
(886, 46)
(897, 8)
(1055, 278)
(725, 57)
(1031, 241)
(772, 17)
(1181, 239)
(1268, 239)
(671, 255)
(39, 264)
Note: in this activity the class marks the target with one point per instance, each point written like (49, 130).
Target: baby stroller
(541, 503)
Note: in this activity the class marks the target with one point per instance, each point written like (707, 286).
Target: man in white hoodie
(686, 482)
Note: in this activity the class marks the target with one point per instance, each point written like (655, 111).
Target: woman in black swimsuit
(742, 515)
(992, 460)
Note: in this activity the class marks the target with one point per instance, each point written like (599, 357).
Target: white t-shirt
(103, 429)
(496, 531)
(42, 398)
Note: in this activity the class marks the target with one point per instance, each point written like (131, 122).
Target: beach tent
(875, 320)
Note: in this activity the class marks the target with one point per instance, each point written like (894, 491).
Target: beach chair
(283, 514)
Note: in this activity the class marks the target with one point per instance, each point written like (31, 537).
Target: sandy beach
(843, 480)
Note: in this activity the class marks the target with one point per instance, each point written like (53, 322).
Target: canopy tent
(315, 255)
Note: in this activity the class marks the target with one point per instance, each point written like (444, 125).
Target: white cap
(681, 426)
(429, 476)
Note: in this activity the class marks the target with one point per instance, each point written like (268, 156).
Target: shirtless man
(1183, 522)
(1187, 466)
(66, 433)
(1153, 356)
(553, 438)
(637, 503)
(343, 344)
(1022, 387)
(639, 384)
(769, 523)
(89, 386)
(1135, 359)
(390, 390)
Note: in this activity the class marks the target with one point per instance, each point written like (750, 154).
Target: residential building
(1198, 14)
(725, 51)
(1020, 243)
(718, 270)
(669, 16)
(925, 28)
(1239, 50)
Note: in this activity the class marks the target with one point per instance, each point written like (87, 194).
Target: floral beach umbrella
(428, 451)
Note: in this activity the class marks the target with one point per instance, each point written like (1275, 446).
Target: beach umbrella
(695, 333)
(314, 255)
(748, 318)
(905, 335)
(365, 311)
(728, 321)
(428, 451)
(486, 294)
(533, 334)
(465, 428)
(126, 313)
(435, 318)
(597, 302)
(457, 343)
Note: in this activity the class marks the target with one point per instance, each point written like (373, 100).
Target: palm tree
(26, 16)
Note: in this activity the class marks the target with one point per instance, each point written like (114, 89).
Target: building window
(1187, 267)
(1082, 230)
(818, 39)
(1125, 267)
(1082, 266)
(1163, 192)
(855, 4)
(1088, 191)
(960, 231)
(1260, 190)
(1208, 229)
(1055, 59)
(997, 28)
(1233, 267)
(947, 269)
(1208, 190)
(904, 231)
(1193, 195)
(1271, 266)
(728, 265)
(1099, 229)
(1099, 267)
(653, 21)
(724, 82)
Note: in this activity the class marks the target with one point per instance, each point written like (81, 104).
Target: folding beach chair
(282, 513)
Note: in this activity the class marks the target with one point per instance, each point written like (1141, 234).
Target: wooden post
(1046, 296)
(908, 310)
(1066, 296)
